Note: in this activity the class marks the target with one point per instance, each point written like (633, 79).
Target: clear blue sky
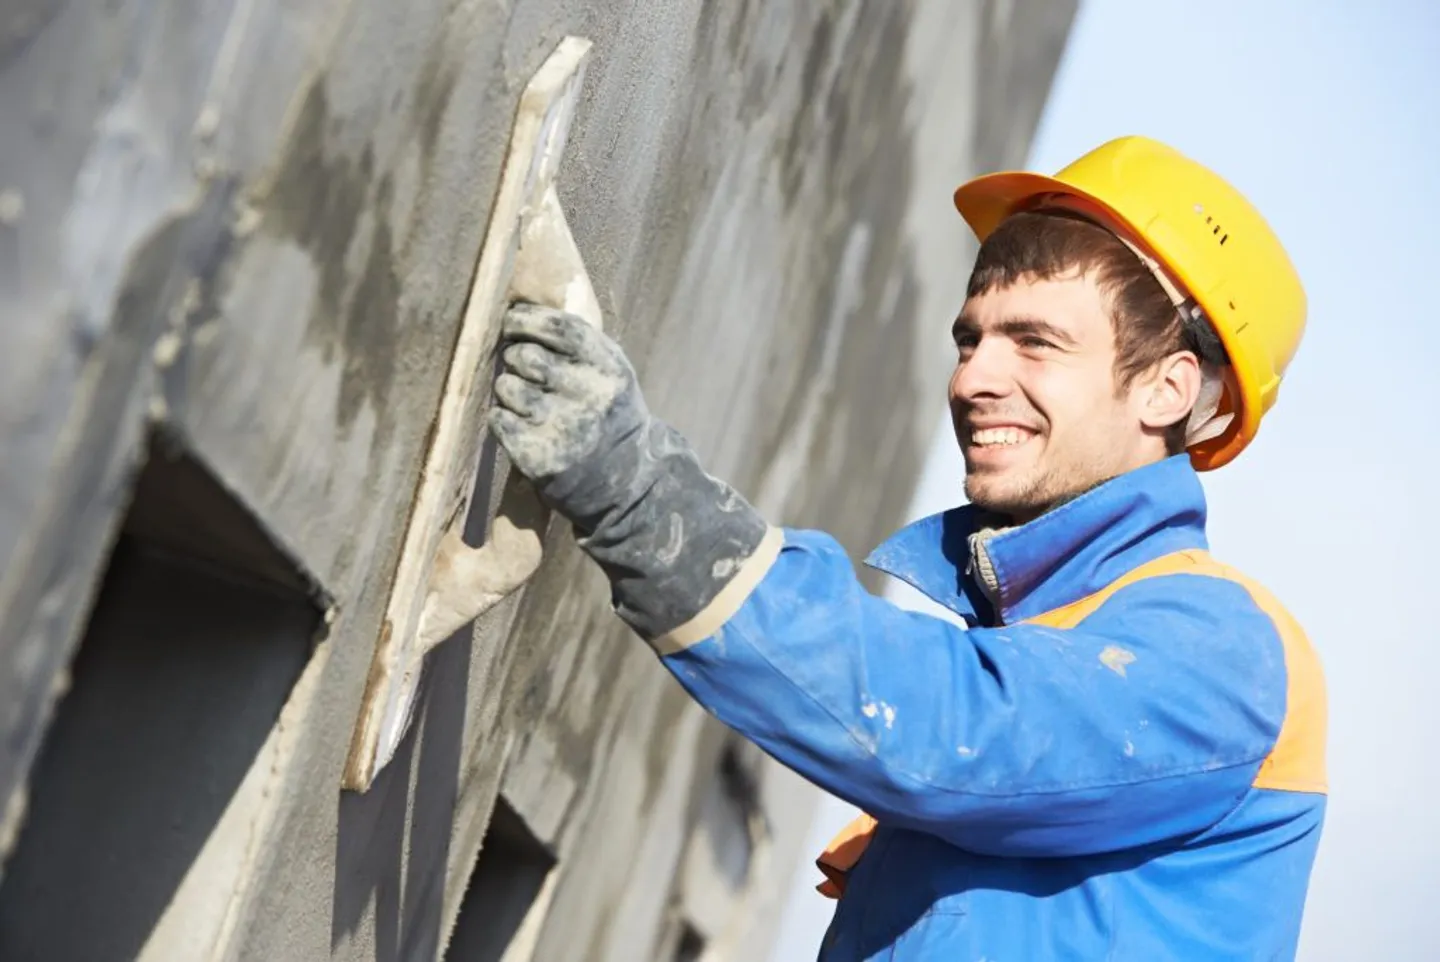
(1327, 116)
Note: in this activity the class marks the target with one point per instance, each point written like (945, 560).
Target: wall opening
(727, 821)
(506, 898)
(690, 947)
(720, 855)
(200, 629)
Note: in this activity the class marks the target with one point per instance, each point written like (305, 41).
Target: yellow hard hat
(1215, 245)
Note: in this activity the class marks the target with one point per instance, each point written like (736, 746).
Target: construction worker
(1122, 755)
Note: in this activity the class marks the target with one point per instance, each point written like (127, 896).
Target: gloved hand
(570, 414)
(566, 393)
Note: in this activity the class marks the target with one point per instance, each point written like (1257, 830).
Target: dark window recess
(680, 939)
(200, 628)
(180, 507)
(732, 809)
(690, 947)
(505, 883)
(716, 864)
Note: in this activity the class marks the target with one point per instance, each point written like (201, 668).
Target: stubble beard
(1024, 499)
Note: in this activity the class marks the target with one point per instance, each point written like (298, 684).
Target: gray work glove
(570, 414)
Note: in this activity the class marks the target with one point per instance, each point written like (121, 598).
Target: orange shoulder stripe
(1297, 762)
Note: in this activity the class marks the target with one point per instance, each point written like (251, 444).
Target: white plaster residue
(726, 567)
(579, 295)
(207, 123)
(466, 582)
(12, 205)
(675, 543)
(1116, 658)
(167, 348)
(873, 709)
(246, 219)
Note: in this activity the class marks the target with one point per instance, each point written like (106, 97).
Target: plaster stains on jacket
(1122, 757)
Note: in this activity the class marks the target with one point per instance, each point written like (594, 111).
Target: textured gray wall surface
(236, 240)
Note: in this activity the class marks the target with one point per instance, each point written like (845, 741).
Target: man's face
(1034, 397)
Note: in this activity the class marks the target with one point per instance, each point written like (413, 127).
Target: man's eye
(1035, 343)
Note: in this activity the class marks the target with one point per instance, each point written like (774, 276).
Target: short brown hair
(1148, 328)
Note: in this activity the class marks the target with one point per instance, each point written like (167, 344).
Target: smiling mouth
(999, 437)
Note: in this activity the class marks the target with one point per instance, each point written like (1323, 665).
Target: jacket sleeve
(1147, 722)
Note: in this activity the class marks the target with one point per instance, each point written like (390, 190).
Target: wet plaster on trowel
(466, 582)
(441, 583)
(549, 271)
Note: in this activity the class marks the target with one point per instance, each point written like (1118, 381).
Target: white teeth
(989, 436)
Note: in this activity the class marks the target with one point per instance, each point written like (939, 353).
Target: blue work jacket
(1121, 758)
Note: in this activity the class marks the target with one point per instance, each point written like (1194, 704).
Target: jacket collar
(1060, 557)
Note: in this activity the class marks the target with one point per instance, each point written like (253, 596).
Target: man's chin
(1022, 498)
(999, 494)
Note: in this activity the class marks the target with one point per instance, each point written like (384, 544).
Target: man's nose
(986, 372)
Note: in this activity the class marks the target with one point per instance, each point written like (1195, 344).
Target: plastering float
(441, 584)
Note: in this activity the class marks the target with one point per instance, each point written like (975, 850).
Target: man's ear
(1166, 396)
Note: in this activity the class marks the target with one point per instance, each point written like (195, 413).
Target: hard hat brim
(987, 200)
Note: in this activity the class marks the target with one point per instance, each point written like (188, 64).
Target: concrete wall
(236, 238)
